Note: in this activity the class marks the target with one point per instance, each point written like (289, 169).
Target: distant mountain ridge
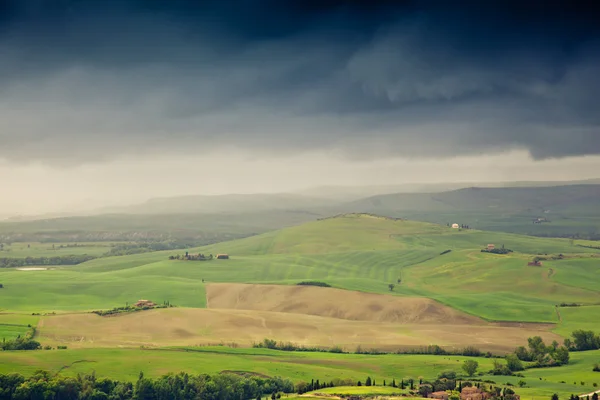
(563, 211)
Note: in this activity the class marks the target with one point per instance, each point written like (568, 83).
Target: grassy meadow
(126, 364)
(353, 252)
(362, 253)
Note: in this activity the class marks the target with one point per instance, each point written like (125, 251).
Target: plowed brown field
(190, 327)
(335, 303)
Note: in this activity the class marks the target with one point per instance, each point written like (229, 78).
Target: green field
(357, 253)
(125, 364)
(13, 325)
(353, 252)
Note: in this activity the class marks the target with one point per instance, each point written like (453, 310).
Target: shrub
(313, 283)
(61, 347)
(19, 343)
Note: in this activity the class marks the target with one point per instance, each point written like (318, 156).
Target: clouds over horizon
(88, 81)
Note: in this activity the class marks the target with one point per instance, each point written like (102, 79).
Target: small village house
(473, 393)
(455, 226)
(439, 395)
(222, 257)
(145, 303)
(491, 246)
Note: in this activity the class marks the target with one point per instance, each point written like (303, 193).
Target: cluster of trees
(313, 283)
(575, 397)
(182, 386)
(55, 260)
(542, 355)
(192, 257)
(409, 384)
(582, 341)
(21, 343)
(468, 351)
(288, 346)
(434, 349)
(501, 250)
(127, 309)
(304, 387)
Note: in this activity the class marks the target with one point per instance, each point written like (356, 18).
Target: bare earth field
(191, 327)
(335, 303)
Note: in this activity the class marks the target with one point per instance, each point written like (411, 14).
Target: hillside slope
(571, 210)
(354, 252)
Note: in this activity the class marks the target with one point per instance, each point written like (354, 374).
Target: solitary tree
(470, 367)
(554, 396)
(391, 286)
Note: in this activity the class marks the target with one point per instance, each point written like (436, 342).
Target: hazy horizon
(113, 103)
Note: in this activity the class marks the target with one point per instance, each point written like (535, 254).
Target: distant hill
(349, 193)
(575, 198)
(563, 210)
(230, 203)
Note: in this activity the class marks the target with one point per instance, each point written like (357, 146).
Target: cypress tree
(384, 383)
(368, 381)
(394, 382)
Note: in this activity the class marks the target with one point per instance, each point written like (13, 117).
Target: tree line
(6, 262)
(181, 386)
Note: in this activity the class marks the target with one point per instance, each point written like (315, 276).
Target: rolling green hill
(355, 252)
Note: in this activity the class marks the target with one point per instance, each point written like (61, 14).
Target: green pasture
(361, 253)
(126, 364)
(572, 318)
(13, 325)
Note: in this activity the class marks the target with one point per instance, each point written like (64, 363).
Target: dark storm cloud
(91, 80)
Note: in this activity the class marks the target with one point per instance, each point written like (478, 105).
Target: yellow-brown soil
(189, 327)
(335, 303)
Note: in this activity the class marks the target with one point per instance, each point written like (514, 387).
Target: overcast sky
(120, 100)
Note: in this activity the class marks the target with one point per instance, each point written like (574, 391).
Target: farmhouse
(439, 395)
(473, 393)
(455, 226)
(144, 303)
(491, 246)
(222, 257)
